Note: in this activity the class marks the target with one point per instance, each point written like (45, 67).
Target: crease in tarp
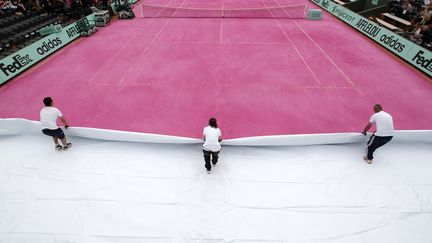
(17, 126)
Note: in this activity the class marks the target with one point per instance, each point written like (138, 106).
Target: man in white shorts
(211, 148)
(383, 134)
(48, 119)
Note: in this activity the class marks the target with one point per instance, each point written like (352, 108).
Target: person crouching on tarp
(211, 147)
(48, 119)
(383, 134)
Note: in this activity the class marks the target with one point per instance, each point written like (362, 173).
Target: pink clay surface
(256, 76)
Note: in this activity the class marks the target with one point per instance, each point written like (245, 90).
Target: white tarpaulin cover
(106, 191)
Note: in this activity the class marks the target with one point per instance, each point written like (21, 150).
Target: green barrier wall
(418, 56)
(16, 63)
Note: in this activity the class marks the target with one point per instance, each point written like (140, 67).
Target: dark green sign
(418, 56)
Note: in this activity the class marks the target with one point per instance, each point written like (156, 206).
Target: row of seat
(20, 26)
(19, 34)
(18, 31)
(7, 20)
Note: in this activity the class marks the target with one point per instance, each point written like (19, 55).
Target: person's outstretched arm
(368, 126)
(63, 119)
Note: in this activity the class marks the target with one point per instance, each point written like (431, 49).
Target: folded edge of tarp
(18, 126)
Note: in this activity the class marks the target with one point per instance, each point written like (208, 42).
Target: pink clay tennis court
(257, 76)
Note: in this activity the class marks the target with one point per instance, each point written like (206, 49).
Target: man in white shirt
(211, 147)
(48, 119)
(383, 134)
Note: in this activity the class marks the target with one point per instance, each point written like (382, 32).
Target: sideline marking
(233, 43)
(325, 54)
(295, 48)
(330, 87)
(222, 22)
(90, 81)
(384, 50)
(151, 42)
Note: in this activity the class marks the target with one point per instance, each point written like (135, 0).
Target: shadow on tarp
(17, 126)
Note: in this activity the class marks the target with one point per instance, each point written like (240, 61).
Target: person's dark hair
(377, 108)
(47, 101)
(213, 123)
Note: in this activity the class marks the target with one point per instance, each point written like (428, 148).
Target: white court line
(90, 81)
(222, 22)
(112, 57)
(325, 54)
(329, 87)
(295, 48)
(209, 42)
(150, 43)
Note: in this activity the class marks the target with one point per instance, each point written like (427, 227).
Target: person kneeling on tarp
(211, 148)
(383, 134)
(48, 119)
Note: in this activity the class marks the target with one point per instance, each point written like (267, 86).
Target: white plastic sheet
(104, 191)
(10, 126)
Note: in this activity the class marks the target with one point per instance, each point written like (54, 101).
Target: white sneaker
(208, 172)
(214, 165)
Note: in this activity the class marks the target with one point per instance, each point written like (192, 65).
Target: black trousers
(214, 158)
(376, 142)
